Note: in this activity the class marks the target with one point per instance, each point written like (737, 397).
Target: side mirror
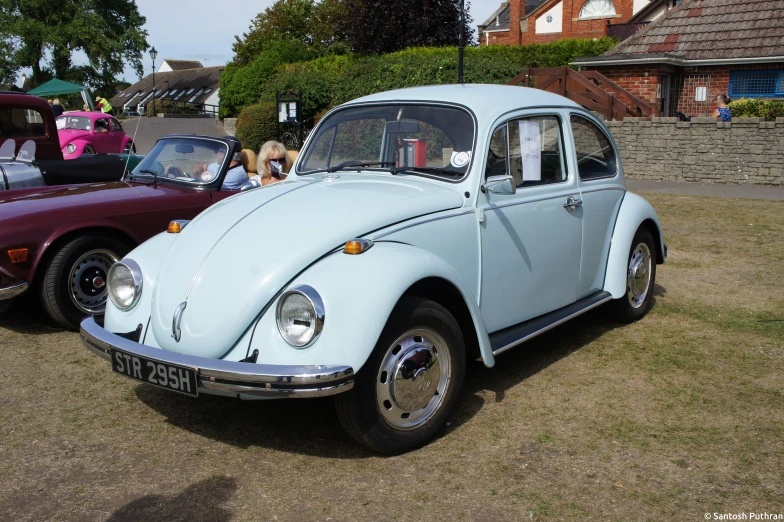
(500, 185)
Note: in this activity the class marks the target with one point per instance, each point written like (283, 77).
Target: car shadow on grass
(26, 316)
(311, 426)
(201, 501)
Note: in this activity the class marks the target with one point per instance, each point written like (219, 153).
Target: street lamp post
(153, 55)
(461, 43)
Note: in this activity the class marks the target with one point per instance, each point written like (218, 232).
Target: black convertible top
(85, 169)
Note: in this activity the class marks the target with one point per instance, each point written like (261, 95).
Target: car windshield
(74, 122)
(184, 160)
(429, 140)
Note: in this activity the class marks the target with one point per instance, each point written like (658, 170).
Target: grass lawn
(675, 416)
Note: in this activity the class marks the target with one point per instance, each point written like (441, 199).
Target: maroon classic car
(60, 241)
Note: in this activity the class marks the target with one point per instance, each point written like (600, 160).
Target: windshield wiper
(359, 164)
(428, 170)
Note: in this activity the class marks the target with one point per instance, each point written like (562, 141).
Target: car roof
(483, 99)
(87, 114)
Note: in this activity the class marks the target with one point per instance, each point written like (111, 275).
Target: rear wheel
(88, 149)
(130, 148)
(409, 385)
(640, 279)
(74, 281)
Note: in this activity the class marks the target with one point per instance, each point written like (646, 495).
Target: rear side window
(116, 127)
(21, 123)
(596, 157)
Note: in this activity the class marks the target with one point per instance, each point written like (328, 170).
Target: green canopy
(54, 87)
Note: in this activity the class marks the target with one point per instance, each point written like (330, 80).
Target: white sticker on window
(531, 150)
(460, 159)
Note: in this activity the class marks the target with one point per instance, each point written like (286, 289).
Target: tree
(305, 21)
(379, 26)
(44, 34)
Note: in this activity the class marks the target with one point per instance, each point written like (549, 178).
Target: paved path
(708, 189)
(150, 129)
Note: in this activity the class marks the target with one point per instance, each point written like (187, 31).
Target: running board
(507, 338)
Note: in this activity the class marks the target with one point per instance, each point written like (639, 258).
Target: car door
(116, 135)
(595, 160)
(100, 139)
(531, 240)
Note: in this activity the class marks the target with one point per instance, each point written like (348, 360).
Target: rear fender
(359, 293)
(635, 211)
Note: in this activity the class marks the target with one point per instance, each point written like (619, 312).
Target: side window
(21, 123)
(596, 157)
(116, 127)
(496, 156)
(101, 126)
(535, 151)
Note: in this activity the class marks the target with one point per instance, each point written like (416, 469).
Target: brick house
(700, 49)
(523, 22)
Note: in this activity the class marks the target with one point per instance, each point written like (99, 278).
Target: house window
(549, 19)
(756, 84)
(594, 8)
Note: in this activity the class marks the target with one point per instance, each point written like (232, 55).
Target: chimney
(516, 13)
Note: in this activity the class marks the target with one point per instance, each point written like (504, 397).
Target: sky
(204, 30)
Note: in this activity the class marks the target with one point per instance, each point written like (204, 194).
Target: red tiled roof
(713, 29)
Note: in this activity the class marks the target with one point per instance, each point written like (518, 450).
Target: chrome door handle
(572, 203)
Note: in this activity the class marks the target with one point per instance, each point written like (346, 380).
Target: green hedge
(256, 124)
(243, 85)
(329, 81)
(754, 108)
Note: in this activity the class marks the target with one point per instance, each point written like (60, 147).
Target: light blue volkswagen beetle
(419, 228)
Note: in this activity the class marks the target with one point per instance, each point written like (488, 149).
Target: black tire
(637, 301)
(88, 149)
(374, 421)
(60, 295)
(6, 304)
(130, 148)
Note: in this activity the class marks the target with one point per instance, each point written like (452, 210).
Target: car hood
(68, 135)
(234, 258)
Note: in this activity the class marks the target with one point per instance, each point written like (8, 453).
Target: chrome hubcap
(413, 379)
(639, 277)
(87, 280)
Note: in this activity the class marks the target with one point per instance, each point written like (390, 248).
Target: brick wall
(744, 151)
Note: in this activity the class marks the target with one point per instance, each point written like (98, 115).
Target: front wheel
(88, 149)
(409, 385)
(74, 282)
(640, 279)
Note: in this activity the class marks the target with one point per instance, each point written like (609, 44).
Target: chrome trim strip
(12, 291)
(409, 225)
(551, 326)
(269, 380)
(563, 194)
(603, 189)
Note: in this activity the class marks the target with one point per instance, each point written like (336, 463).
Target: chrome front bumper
(12, 291)
(262, 380)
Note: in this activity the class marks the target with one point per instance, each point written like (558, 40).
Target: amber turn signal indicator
(357, 246)
(18, 255)
(174, 227)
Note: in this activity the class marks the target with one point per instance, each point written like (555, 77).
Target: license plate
(164, 375)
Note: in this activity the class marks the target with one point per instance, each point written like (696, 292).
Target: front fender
(634, 211)
(359, 293)
(80, 145)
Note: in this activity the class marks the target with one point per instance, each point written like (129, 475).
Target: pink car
(91, 133)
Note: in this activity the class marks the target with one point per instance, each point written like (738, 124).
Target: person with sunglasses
(272, 163)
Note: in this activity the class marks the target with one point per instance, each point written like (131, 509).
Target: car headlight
(70, 148)
(125, 284)
(300, 316)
